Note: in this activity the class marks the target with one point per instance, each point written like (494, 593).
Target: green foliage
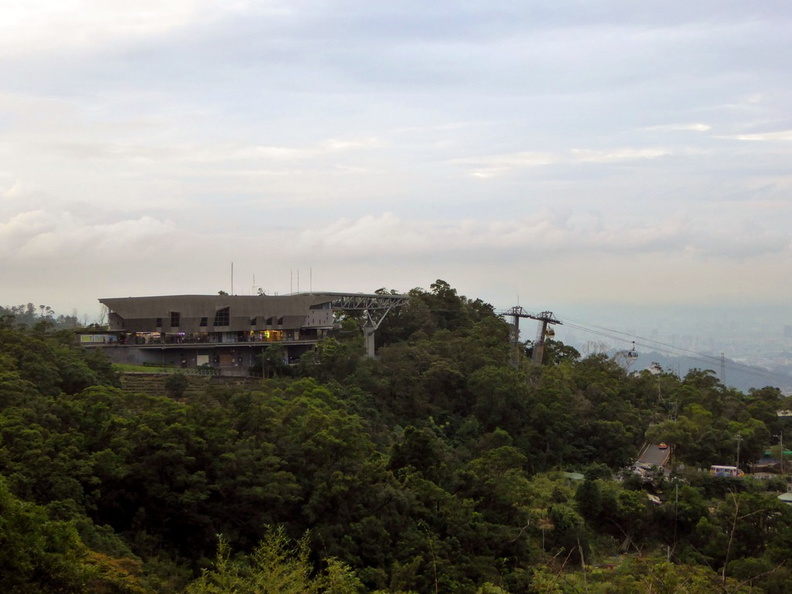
(332, 360)
(436, 467)
(52, 361)
(273, 361)
(712, 421)
(276, 566)
(645, 574)
(38, 554)
(176, 384)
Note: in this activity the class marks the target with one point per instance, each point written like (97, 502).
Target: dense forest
(441, 466)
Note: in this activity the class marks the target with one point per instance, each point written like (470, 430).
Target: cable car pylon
(546, 318)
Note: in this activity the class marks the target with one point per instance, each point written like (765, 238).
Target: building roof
(290, 311)
(255, 304)
(199, 305)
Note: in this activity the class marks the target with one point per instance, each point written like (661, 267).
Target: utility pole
(516, 313)
(781, 445)
(739, 440)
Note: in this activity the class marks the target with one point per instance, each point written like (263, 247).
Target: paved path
(654, 456)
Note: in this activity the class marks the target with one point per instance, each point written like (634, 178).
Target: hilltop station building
(230, 332)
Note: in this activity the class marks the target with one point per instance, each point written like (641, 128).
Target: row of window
(222, 318)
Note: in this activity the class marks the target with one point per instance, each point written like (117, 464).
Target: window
(252, 321)
(223, 317)
(175, 319)
(159, 323)
(204, 322)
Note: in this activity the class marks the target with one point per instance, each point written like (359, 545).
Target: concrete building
(230, 332)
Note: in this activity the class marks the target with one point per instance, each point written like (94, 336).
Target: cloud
(613, 156)
(46, 25)
(253, 152)
(495, 165)
(679, 127)
(218, 152)
(782, 135)
(50, 235)
(389, 235)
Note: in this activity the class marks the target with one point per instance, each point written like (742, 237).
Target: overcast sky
(566, 154)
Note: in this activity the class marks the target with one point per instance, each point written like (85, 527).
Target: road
(654, 456)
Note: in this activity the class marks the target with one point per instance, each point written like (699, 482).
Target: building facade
(230, 332)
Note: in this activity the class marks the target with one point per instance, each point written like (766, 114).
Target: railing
(201, 340)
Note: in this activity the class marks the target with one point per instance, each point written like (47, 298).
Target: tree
(276, 566)
(38, 554)
(555, 352)
(176, 384)
(273, 360)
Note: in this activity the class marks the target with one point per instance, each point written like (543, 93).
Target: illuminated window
(222, 317)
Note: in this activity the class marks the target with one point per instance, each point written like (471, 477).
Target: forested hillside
(438, 467)
(30, 315)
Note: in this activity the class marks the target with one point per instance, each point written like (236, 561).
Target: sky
(570, 156)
